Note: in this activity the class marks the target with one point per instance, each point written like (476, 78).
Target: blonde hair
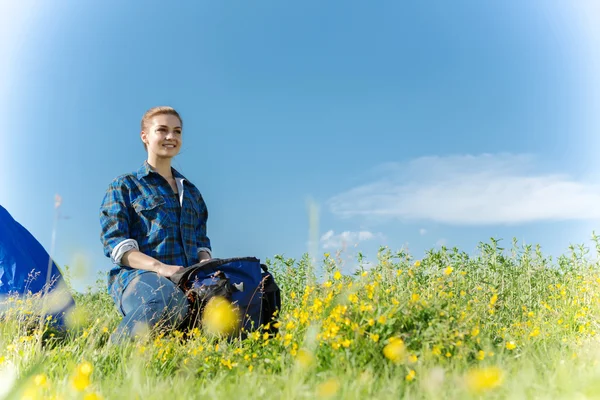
(160, 110)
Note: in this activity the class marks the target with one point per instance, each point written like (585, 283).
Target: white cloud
(470, 190)
(422, 231)
(346, 238)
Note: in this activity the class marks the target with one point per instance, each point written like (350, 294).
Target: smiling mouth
(169, 146)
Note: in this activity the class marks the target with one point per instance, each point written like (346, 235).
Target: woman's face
(163, 135)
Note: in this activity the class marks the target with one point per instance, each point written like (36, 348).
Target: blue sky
(408, 125)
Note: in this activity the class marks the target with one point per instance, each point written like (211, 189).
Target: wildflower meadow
(507, 322)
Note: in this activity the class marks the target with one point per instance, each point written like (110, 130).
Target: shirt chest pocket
(153, 213)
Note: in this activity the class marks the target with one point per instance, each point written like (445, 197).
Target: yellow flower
(395, 351)
(375, 338)
(80, 382)
(475, 331)
(414, 297)
(417, 263)
(448, 271)
(534, 333)
(494, 299)
(328, 388)
(85, 368)
(480, 355)
(511, 345)
(40, 380)
(92, 396)
(220, 317)
(413, 358)
(480, 380)
(382, 319)
(305, 359)
(337, 276)
(328, 284)
(411, 375)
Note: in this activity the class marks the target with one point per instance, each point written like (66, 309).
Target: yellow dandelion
(328, 388)
(411, 375)
(417, 263)
(448, 271)
(92, 396)
(305, 358)
(80, 382)
(337, 276)
(511, 345)
(395, 351)
(413, 358)
(220, 317)
(483, 379)
(375, 338)
(534, 333)
(480, 355)
(40, 380)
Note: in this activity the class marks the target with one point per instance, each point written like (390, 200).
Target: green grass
(531, 320)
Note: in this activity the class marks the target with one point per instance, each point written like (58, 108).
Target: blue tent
(24, 267)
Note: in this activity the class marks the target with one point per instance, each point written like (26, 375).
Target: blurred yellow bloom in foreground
(395, 351)
(81, 379)
(305, 359)
(328, 388)
(220, 317)
(40, 380)
(482, 379)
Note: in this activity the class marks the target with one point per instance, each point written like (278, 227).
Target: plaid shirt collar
(146, 169)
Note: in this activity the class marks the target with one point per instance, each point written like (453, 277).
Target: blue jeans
(150, 301)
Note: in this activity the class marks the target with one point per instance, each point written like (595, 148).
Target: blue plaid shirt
(142, 206)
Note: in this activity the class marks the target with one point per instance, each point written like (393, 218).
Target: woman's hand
(168, 270)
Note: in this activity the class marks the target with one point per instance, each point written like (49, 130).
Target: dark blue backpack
(242, 280)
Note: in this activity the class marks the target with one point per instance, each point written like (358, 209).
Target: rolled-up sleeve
(114, 223)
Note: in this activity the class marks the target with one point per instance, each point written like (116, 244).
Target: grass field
(505, 323)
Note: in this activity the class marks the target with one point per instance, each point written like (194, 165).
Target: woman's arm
(136, 259)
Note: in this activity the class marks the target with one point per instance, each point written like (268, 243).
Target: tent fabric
(24, 265)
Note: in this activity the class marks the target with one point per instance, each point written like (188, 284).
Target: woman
(153, 224)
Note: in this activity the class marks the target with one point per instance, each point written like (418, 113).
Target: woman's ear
(143, 136)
